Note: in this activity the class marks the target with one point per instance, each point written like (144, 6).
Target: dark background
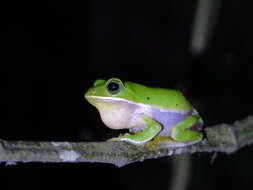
(52, 52)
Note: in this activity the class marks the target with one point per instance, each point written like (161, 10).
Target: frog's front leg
(149, 132)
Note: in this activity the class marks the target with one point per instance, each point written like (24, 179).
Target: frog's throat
(116, 114)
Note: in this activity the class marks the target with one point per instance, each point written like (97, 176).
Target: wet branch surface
(227, 138)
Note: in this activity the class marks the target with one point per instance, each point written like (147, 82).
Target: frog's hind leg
(186, 132)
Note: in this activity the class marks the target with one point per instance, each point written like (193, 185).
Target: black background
(52, 52)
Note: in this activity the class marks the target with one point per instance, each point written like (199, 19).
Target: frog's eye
(114, 86)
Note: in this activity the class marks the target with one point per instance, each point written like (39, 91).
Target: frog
(153, 115)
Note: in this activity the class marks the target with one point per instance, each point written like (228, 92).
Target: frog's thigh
(182, 132)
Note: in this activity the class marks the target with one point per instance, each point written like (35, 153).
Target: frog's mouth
(102, 98)
(94, 100)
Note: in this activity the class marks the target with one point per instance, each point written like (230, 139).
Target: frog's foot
(176, 144)
(119, 138)
(167, 142)
(130, 138)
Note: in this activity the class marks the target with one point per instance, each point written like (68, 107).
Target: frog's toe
(115, 139)
(167, 142)
(121, 137)
(176, 144)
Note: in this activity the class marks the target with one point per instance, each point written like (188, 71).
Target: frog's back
(166, 99)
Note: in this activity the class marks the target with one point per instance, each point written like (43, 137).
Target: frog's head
(113, 101)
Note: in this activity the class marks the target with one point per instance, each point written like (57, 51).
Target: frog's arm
(149, 132)
(182, 131)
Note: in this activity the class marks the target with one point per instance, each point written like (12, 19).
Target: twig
(226, 138)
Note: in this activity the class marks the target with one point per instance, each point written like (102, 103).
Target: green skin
(153, 115)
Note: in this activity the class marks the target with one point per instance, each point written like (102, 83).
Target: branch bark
(226, 138)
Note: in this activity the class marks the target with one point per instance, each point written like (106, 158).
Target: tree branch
(220, 138)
